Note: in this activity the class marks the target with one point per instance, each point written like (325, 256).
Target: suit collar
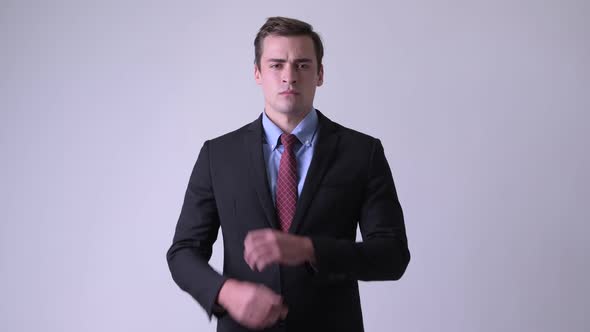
(322, 157)
(324, 123)
(304, 131)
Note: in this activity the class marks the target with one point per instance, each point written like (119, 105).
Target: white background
(482, 107)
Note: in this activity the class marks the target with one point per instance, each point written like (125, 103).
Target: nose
(289, 74)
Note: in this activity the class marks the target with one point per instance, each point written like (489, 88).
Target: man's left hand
(267, 246)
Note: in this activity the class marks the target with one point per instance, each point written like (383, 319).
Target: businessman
(288, 191)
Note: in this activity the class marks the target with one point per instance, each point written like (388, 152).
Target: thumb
(277, 300)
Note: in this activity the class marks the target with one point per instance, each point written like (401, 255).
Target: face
(288, 74)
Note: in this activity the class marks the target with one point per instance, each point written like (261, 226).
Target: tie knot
(288, 140)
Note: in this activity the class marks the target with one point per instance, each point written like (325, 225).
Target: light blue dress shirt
(306, 132)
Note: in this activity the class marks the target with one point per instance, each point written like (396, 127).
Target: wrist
(225, 294)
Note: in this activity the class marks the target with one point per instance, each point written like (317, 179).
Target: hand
(252, 305)
(267, 246)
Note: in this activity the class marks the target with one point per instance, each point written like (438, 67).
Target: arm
(383, 254)
(196, 231)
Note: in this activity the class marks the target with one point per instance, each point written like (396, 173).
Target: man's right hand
(252, 305)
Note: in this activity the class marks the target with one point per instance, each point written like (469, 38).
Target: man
(288, 191)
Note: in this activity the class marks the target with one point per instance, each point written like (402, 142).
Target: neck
(287, 122)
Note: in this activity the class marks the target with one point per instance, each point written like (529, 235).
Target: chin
(295, 109)
(287, 110)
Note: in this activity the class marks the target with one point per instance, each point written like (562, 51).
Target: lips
(289, 93)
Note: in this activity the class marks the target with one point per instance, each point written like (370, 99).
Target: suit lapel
(322, 156)
(258, 170)
(321, 160)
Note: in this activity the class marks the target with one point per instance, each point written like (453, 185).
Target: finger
(266, 254)
(251, 251)
(273, 316)
(273, 297)
(267, 258)
(263, 316)
(253, 319)
(266, 249)
(266, 238)
(263, 261)
(251, 246)
(274, 253)
(275, 310)
(266, 310)
(251, 254)
(248, 258)
(284, 312)
(257, 235)
(279, 312)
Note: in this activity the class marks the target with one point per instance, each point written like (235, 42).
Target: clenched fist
(252, 305)
(263, 247)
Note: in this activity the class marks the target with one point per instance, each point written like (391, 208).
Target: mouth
(289, 93)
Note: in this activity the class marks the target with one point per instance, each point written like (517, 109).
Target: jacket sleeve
(383, 254)
(196, 231)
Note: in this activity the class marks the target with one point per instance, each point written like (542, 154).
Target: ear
(257, 75)
(321, 75)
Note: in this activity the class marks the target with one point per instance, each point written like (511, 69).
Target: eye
(303, 65)
(275, 65)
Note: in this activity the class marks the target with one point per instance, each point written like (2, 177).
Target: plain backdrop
(482, 107)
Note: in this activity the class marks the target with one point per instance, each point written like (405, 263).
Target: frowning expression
(288, 74)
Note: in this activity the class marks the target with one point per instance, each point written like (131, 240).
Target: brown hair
(284, 26)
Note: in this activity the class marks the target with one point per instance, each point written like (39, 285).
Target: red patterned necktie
(286, 195)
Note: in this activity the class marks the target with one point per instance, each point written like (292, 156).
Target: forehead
(288, 47)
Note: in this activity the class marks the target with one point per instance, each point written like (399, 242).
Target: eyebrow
(296, 60)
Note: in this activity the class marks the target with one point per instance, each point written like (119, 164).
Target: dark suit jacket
(348, 182)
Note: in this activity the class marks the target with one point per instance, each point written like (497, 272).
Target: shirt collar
(304, 131)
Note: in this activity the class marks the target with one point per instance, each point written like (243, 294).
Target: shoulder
(355, 135)
(230, 137)
(233, 138)
(354, 139)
